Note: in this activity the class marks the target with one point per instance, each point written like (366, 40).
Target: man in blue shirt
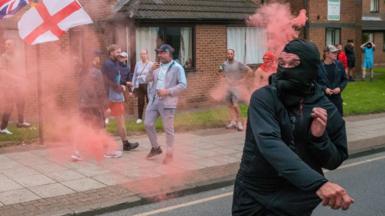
(113, 77)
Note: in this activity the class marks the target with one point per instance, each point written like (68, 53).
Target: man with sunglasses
(169, 81)
(293, 132)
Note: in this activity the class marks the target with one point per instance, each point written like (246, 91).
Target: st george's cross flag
(48, 20)
(10, 7)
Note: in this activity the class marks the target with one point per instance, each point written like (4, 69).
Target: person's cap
(331, 48)
(165, 48)
(123, 54)
(268, 55)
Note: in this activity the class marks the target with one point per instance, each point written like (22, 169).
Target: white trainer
(5, 131)
(231, 125)
(115, 154)
(76, 157)
(240, 126)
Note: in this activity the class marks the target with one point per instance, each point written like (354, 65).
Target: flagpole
(39, 95)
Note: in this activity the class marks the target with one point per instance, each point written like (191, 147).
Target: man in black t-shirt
(332, 77)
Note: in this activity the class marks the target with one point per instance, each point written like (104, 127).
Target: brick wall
(349, 24)
(211, 45)
(366, 9)
(379, 55)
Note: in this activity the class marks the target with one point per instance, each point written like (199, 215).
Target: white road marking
(171, 208)
(362, 162)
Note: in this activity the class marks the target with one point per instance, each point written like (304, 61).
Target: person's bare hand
(162, 92)
(328, 91)
(320, 118)
(336, 91)
(334, 196)
(155, 66)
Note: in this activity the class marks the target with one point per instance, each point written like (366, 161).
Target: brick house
(373, 27)
(333, 22)
(201, 31)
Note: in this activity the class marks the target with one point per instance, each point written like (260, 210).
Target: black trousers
(20, 105)
(288, 201)
(337, 101)
(141, 93)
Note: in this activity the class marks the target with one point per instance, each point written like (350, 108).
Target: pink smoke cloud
(280, 24)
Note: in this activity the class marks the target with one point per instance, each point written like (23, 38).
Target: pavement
(34, 182)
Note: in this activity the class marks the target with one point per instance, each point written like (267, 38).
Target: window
(374, 5)
(181, 38)
(248, 43)
(333, 36)
(367, 36)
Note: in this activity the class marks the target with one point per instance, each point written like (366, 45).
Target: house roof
(187, 9)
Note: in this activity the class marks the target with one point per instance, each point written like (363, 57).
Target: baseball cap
(165, 48)
(123, 54)
(331, 48)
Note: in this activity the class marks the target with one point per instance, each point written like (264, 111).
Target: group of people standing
(13, 84)
(335, 70)
(346, 56)
(158, 83)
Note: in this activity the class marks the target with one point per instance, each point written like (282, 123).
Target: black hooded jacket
(279, 150)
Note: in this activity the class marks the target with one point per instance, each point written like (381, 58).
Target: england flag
(48, 20)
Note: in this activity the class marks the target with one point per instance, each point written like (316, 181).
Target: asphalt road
(363, 177)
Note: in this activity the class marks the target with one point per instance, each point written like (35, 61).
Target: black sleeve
(343, 77)
(321, 78)
(266, 130)
(331, 148)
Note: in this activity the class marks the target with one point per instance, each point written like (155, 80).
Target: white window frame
(374, 6)
(249, 43)
(335, 36)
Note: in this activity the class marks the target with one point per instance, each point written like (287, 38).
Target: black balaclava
(369, 45)
(296, 83)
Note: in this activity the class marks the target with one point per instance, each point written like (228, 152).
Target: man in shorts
(234, 73)
(113, 76)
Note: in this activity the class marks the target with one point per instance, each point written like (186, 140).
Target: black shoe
(128, 146)
(168, 158)
(154, 152)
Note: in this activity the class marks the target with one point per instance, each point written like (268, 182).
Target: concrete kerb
(200, 186)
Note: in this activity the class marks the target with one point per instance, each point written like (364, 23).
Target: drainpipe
(306, 29)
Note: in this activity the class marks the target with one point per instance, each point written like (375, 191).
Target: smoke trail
(280, 24)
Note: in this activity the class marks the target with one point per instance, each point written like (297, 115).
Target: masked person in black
(293, 131)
